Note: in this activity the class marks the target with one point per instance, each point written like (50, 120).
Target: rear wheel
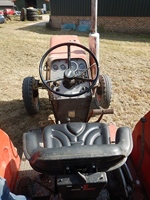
(30, 95)
(103, 92)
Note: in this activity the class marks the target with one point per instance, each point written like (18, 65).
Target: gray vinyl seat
(77, 146)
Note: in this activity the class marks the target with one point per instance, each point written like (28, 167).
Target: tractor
(83, 158)
(76, 158)
(70, 79)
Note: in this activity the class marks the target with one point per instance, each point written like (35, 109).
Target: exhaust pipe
(94, 36)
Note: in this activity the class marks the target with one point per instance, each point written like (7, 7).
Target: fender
(140, 155)
(9, 160)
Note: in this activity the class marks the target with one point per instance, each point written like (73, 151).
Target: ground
(125, 58)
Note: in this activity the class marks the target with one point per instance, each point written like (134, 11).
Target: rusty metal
(100, 112)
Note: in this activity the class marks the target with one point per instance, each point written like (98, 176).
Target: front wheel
(30, 95)
(103, 92)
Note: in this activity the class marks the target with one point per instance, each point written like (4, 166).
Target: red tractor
(74, 158)
(70, 79)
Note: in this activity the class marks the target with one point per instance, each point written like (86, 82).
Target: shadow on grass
(15, 121)
(40, 27)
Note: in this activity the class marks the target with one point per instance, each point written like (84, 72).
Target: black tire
(32, 11)
(23, 15)
(103, 92)
(30, 96)
(32, 14)
(33, 18)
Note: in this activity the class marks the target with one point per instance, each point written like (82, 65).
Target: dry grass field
(125, 58)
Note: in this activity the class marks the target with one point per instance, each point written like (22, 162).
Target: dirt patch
(125, 58)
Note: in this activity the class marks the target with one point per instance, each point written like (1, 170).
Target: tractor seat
(77, 147)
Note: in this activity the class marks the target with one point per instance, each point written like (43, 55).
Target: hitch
(100, 112)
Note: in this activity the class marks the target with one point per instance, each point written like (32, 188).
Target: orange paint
(76, 52)
(9, 160)
(136, 155)
(112, 130)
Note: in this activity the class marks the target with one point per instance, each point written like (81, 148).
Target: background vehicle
(9, 11)
(8, 8)
(2, 19)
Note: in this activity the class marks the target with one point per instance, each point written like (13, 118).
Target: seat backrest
(77, 145)
(75, 134)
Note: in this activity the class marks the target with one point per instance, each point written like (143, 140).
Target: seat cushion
(75, 134)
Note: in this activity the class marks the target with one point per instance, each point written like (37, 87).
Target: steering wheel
(69, 74)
